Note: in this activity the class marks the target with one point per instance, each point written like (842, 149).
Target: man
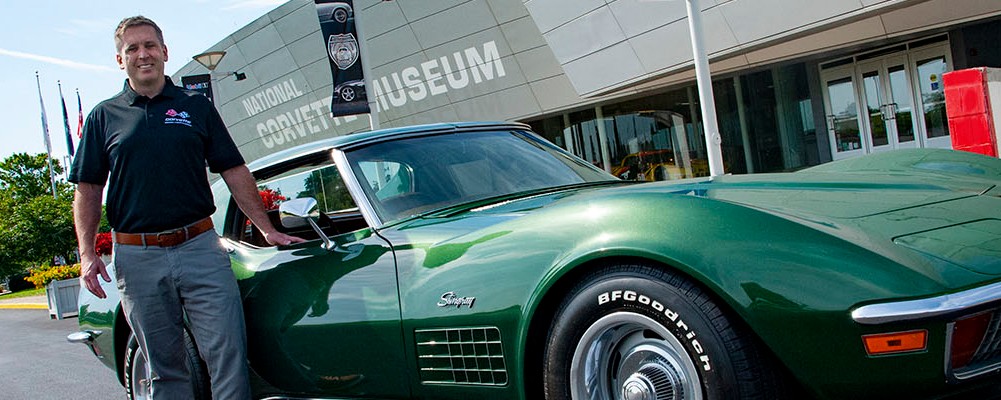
(154, 141)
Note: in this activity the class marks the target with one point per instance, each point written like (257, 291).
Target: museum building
(796, 82)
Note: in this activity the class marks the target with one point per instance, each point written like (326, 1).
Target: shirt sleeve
(90, 164)
(221, 152)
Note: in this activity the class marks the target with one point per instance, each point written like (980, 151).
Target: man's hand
(280, 239)
(90, 268)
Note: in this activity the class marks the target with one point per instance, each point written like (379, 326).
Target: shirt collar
(131, 97)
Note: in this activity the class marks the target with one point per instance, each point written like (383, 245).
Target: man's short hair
(135, 21)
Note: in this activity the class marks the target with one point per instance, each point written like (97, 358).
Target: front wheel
(634, 332)
(137, 371)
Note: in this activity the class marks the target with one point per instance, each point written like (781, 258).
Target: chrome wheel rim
(628, 356)
(140, 376)
(348, 94)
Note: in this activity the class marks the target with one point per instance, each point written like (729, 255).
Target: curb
(24, 306)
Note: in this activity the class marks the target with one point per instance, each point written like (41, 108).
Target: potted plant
(61, 288)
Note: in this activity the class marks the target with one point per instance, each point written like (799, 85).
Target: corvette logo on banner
(343, 50)
(337, 24)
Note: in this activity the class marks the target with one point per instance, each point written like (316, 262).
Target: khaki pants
(162, 285)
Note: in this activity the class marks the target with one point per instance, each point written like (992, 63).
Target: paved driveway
(36, 361)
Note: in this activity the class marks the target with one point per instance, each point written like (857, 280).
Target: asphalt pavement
(36, 361)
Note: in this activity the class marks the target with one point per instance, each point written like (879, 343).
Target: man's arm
(87, 218)
(244, 189)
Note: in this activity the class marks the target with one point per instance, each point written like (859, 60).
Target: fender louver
(471, 356)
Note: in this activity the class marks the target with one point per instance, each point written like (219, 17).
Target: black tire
(661, 174)
(652, 333)
(348, 94)
(136, 371)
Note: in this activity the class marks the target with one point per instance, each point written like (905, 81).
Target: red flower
(102, 244)
(271, 198)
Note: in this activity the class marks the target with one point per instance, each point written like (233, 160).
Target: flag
(79, 120)
(199, 83)
(66, 121)
(337, 24)
(45, 134)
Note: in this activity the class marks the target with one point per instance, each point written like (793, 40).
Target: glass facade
(765, 120)
(933, 95)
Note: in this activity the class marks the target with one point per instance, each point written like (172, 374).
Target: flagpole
(366, 68)
(704, 82)
(45, 134)
(66, 122)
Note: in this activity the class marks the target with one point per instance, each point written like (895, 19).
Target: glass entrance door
(890, 101)
(886, 89)
(842, 109)
(928, 65)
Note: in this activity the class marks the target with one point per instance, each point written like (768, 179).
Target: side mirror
(297, 213)
(301, 212)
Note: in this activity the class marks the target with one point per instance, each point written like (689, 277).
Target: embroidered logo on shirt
(174, 117)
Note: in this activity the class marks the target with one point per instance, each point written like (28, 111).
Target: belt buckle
(170, 234)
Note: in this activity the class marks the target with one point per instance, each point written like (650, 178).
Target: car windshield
(405, 177)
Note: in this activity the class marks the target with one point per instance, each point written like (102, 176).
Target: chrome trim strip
(973, 373)
(926, 308)
(354, 187)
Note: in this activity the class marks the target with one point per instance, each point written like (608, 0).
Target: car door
(320, 321)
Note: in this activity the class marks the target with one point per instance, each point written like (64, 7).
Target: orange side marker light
(897, 342)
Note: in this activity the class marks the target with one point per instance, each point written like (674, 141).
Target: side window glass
(326, 186)
(339, 213)
(394, 187)
(323, 184)
(387, 179)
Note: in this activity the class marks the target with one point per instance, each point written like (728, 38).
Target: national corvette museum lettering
(271, 97)
(462, 69)
(438, 76)
(294, 124)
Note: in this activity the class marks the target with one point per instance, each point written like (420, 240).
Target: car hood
(866, 186)
(943, 204)
(940, 204)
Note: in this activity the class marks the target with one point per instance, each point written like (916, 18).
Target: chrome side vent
(465, 356)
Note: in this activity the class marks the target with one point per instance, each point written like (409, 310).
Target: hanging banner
(337, 24)
(199, 83)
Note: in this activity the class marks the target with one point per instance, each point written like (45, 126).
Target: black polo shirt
(155, 152)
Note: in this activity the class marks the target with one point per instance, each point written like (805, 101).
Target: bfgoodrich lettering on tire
(634, 332)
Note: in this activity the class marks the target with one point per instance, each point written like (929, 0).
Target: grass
(24, 293)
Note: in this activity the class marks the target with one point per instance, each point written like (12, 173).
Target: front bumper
(950, 308)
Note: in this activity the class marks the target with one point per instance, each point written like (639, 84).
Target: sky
(72, 41)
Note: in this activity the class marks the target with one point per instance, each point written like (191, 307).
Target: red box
(968, 106)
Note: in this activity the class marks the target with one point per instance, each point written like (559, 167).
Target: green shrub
(41, 276)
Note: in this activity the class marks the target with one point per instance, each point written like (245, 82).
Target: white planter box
(62, 297)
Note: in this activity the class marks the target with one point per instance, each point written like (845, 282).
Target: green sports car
(478, 260)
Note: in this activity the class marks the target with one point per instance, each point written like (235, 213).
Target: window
(409, 176)
(318, 180)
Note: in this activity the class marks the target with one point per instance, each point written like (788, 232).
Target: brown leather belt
(169, 238)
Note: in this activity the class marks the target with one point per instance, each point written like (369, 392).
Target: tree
(34, 226)
(327, 187)
(25, 177)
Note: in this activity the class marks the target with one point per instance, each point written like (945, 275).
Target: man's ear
(120, 61)
(164, 53)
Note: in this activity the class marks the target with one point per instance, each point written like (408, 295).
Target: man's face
(142, 55)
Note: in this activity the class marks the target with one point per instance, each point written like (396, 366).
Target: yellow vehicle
(651, 165)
